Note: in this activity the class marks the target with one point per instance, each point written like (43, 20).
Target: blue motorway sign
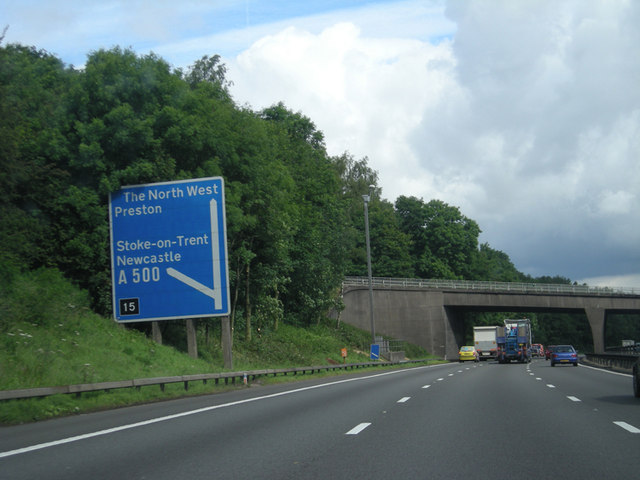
(375, 352)
(169, 250)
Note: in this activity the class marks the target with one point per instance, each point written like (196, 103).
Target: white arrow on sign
(215, 293)
(191, 282)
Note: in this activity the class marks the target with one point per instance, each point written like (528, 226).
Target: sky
(524, 114)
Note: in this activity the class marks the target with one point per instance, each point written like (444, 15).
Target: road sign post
(169, 251)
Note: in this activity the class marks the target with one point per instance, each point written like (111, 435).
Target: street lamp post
(366, 199)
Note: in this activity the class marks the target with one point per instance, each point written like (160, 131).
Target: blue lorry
(514, 341)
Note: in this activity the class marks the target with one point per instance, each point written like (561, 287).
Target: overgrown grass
(49, 337)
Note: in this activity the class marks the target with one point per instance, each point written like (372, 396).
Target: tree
(390, 246)
(212, 72)
(443, 240)
(489, 264)
(34, 146)
(317, 250)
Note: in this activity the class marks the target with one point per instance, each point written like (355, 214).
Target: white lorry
(484, 339)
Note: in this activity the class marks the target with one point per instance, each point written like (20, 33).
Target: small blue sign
(375, 351)
(169, 250)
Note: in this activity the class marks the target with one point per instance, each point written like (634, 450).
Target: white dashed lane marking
(627, 427)
(358, 428)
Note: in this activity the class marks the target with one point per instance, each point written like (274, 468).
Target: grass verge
(49, 337)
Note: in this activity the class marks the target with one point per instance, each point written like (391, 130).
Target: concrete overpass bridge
(428, 312)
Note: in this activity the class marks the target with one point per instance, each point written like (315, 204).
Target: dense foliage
(294, 213)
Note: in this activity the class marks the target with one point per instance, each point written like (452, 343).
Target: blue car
(564, 354)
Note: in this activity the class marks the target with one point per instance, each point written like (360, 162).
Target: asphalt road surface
(481, 421)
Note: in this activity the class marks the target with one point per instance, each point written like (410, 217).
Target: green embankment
(49, 337)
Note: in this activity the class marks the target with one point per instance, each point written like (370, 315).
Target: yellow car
(468, 353)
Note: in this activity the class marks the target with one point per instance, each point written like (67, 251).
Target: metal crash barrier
(241, 377)
(614, 361)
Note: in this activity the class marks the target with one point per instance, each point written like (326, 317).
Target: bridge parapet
(504, 287)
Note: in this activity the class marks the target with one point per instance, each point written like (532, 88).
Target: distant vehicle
(548, 351)
(636, 378)
(484, 339)
(537, 350)
(514, 341)
(468, 352)
(564, 354)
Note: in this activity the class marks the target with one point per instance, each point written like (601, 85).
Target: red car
(548, 352)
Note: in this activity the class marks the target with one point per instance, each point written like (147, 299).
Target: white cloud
(616, 203)
(367, 95)
(631, 281)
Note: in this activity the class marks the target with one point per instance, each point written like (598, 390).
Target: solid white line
(605, 371)
(193, 412)
(357, 429)
(627, 427)
(573, 399)
(403, 399)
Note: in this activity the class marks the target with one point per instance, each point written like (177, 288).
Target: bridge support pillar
(436, 326)
(596, 317)
(454, 332)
